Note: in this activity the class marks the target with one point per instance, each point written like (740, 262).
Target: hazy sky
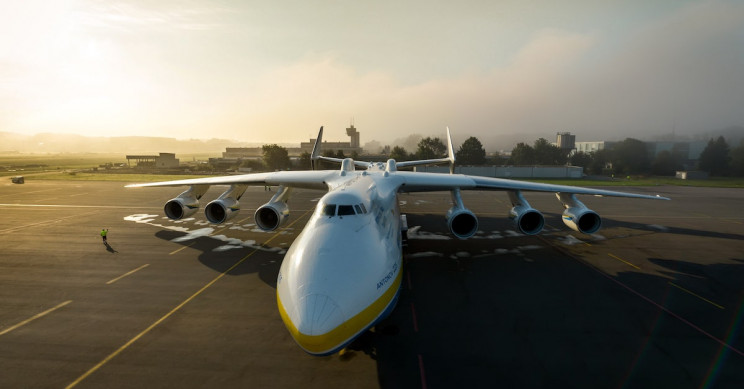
(274, 71)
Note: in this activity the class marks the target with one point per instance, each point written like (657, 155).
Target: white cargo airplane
(343, 272)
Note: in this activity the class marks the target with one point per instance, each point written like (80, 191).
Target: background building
(347, 148)
(164, 160)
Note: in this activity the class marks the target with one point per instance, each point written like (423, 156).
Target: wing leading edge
(429, 182)
(295, 179)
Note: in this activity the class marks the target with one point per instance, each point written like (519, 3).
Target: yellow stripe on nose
(319, 343)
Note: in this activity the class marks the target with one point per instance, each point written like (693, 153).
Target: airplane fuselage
(343, 272)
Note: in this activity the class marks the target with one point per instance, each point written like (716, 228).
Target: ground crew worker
(103, 235)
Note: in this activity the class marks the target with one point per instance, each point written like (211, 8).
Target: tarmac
(654, 299)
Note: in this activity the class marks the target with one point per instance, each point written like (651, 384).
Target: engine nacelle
(582, 219)
(272, 215)
(181, 207)
(186, 203)
(221, 210)
(577, 216)
(528, 220)
(462, 223)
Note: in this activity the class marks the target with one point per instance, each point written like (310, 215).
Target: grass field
(644, 181)
(77, 168)
(13, 164)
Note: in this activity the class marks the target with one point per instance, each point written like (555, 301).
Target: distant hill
(72, 143)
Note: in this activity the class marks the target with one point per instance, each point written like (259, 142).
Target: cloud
(322, 88)
(133, 68)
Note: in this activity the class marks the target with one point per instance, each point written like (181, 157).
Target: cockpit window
(329, 210)
(344, 210)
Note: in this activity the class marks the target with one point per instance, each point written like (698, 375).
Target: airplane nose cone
(318, 314)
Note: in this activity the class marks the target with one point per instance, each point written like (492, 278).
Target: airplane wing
(294, 179)
(427, 182)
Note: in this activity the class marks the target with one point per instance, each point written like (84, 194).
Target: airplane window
(364, 209)
(358, 210)
(344, 210)
(329, 210)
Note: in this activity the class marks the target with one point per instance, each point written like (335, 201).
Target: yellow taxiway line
(624, 261)
(698, 296)
(172, 311)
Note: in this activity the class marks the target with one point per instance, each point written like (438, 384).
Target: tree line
(627, 157)
(631, 156)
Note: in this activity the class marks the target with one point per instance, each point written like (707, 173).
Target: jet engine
(461, 221)
(528, 220)
(185, 204)
(272, 215)
(577, 216)
(226, 206)
(221, 210)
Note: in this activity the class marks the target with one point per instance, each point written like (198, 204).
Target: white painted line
(38, 315)
(43, 222)
(128, 273)
(77, 206)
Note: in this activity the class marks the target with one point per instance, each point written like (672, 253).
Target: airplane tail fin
(450, 152)
(450, 159)
(315, 155)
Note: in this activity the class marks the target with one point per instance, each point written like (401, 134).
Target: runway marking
(182, 248)
(128, 273)
(43, 222)
(25, 193)
(172, 311)
(648, 300)
(77, 206)
(623, 261)
(228, 227)
(678, 317)
(698, 296)
(37, 316)
(422, 371)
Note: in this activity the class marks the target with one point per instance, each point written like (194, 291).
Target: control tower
(354, 135)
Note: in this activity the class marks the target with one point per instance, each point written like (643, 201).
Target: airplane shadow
(542, 318)
(263, 261)
(608, 223)
(554, 322)
(468, 316)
